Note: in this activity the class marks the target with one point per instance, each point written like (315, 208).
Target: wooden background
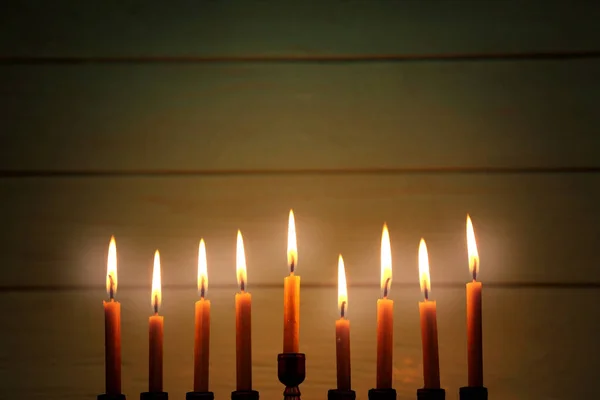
(160, 153)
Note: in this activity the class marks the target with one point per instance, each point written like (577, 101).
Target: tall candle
(202, 331)
(429, 335)
(342, 332)
(474, 326)
(243, 326)
(155, 330)
(112, 325)
(291, 294)
(385, 317)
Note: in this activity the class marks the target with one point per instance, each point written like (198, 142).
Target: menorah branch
(291, 371)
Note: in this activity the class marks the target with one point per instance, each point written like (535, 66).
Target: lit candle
(202, 332)
(474, 331)
(243, 305)
(385, 317)
(429, 337)
(112, 325)
(342, 332)
(291, 294)
(155, 329)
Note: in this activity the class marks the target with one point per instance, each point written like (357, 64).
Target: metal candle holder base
(382, 394)
(154, 396)
(199, 396)
(244, 395)
(291, 371)
(335, 394)
(431, 394)
(105, 396)
(473, 393)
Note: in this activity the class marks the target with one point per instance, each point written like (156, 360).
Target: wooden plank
(541, 114)
(530, 228)
(116, 28)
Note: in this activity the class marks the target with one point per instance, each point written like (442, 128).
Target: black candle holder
(336, 394)
(154, 396)
(244, 395)
(473, 393)
(105, 396)
(199, 396)
(291, 371)
(382, 394)
(431, 394)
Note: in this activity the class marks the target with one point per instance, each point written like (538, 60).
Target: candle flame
(156, 298)
(202, 269)
(111, 269)
(472, 249)
(240, 263)
(342, 288)
(386, 262)
(292, 251)
(424, 278)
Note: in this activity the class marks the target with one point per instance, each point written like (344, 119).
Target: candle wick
(156, 304)
(292, 267)
(111, 289)
(475, 269)
(426, 294)
(242, 286)
(343, 309)
(386, 287)
(202, 291)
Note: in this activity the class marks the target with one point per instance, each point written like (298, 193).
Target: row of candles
(291, 327)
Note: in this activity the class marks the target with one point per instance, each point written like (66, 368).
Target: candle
(243, 338)
(202, 332)
(155, 329)
(342, 332)
(385, 317)
(291, 294)
(429, 337)
(112, 325)
(474, 329)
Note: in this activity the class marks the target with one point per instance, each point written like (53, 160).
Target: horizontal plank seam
(299, 172)
(398, 285)
(320, 59)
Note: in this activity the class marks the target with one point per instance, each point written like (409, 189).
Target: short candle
(342, 332)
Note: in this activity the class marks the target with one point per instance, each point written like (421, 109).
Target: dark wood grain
(276, 117)
(249, 28)
(530, 228)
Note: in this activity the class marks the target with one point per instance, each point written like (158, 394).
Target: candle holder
(199, 396)
(105, 396)
(336, 394)
(291, 371)
(382, 394)
(154, 396)
(473, 393)
(244, 395)
(431, 394)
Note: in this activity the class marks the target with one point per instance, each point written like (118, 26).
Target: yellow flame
(240, 263)
(472, 249)
(386, 262)
(111, 268)
(424, 278)
(156, 290)
(292, 250)
(342, 288)
(202, 269)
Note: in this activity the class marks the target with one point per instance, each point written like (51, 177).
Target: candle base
(473, 393)
(105, 396)
(291, 371)
(336, 394)
(199, 396)
(431, 394)
(154, 396)
(244, 395)
(382, 394)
